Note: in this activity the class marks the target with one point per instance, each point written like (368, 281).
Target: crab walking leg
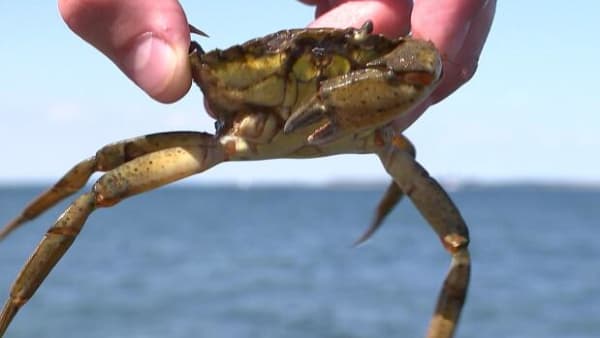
(441, 213)
(133, 177)
(107, 158)
(392, 195)
(54, 244)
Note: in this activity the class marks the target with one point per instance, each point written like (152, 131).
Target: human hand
(147, 40)
(458, 28)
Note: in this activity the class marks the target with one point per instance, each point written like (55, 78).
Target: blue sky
(532, 112)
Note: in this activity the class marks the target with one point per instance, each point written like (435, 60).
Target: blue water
(278, 262)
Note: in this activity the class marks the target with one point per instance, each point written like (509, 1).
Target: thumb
(147, 40)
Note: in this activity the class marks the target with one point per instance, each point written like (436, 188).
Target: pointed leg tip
(8, 228)
(195, 30)
(367, 234)
(360, 241)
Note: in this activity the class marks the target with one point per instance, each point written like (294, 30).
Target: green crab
(293, 94)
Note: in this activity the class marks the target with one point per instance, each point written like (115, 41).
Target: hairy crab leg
(135, 176)
(107, 158)
(438, 209)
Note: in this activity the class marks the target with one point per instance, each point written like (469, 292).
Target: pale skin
(149, 40)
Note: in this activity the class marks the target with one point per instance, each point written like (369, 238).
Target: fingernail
(150, 63)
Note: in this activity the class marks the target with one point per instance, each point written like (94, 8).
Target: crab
(298, 93)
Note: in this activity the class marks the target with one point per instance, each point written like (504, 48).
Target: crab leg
(392, 195)
(143, 173)
(441, 213)
(107, 158)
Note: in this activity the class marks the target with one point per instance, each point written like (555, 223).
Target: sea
(278, 261)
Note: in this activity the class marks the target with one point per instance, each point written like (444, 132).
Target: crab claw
(306, 115)
(324, 134)
(312, 112)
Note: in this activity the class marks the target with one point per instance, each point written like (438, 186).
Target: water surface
(278, 262)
